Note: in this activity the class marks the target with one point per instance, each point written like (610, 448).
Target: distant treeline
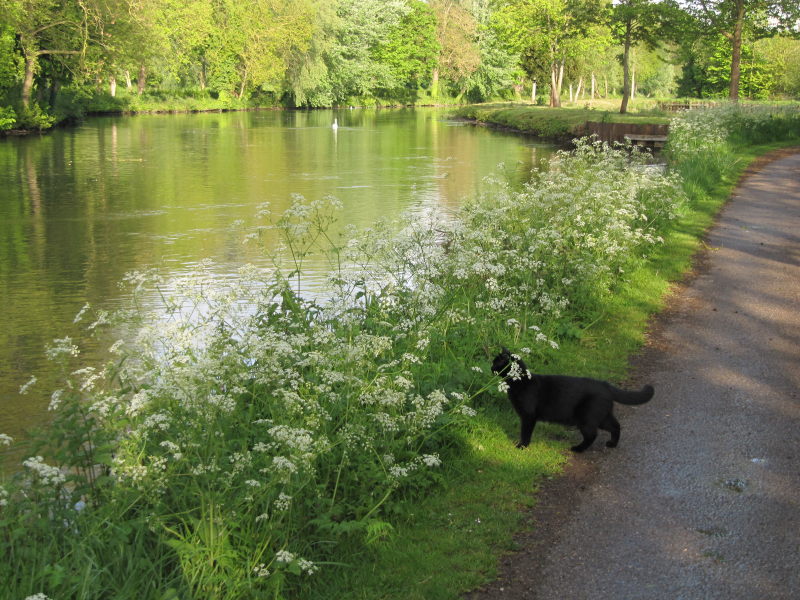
(61, 58)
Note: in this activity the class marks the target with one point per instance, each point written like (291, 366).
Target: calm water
(81, 207)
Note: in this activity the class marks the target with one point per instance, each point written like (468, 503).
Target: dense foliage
(244, 439)
(59, 58)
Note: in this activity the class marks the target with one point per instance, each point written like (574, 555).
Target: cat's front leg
(527, 423)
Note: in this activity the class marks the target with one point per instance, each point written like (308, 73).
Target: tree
(411, 48)
(757, 77)
(730, 18)
(456, 32)
(50, 28)
(550, 29)
(497, 67)
(634, 22)
(363, 26)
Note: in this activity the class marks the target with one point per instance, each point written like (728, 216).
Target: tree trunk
(112, 86)
(435, 84)
(140, 79)
(128, 82)
(243, 86)
(736, 50)
(570, 93)
(626, 70)
(27, 82)
(555, 100)
(633, 81)
(580, 89)
(533, 92)
(202, 74)
(605, 82)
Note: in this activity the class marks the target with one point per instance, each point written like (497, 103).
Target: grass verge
(449, 543)
(557, 123)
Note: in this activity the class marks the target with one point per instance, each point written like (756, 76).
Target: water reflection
(81, 207)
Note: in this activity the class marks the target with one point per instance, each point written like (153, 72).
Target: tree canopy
(310, 53)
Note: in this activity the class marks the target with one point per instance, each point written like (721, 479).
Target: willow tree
(456, 32)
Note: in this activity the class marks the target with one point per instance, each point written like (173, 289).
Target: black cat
(579, 401)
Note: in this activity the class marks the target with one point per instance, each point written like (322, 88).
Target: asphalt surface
(702, 497)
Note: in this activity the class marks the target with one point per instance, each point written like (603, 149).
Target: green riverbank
(553, 123)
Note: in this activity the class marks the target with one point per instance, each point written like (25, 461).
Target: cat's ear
(505, 351)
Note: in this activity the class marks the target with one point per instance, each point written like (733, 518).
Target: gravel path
(702, 497)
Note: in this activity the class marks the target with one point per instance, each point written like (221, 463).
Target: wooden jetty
(652, 135)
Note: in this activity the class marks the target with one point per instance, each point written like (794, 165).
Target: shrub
(8, 118)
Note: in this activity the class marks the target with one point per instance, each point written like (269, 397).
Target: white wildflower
(26, 386)
(138, 401)
(61, 346)
(261, 570)
(477, 369)
(80, 314)
(283, 502)
(284, 556)
(431, 460)
(306, 565)
(47, 474)
(468, 411)
(173, 448)
(55, 400)
(281, 463)
(5, 440)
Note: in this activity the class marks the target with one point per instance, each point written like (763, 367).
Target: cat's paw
(521, 446)
(611, 444)
(578, 449)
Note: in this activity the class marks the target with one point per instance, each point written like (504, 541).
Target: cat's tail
(640, 397)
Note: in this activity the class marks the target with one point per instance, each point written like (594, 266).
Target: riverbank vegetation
(61, 60)
(556, 123)
(245, 441)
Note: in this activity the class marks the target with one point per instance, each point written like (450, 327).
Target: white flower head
(80, 314)
(27, 385)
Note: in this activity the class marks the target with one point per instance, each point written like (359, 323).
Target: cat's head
(502, 362)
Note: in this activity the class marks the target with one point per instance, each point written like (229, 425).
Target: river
(82, 206)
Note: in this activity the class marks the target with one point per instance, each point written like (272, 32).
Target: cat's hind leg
(589, 434)
(611, 425)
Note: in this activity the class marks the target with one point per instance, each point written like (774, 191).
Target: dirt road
(702, 497)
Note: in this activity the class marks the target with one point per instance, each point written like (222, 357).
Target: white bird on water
(335, 124)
